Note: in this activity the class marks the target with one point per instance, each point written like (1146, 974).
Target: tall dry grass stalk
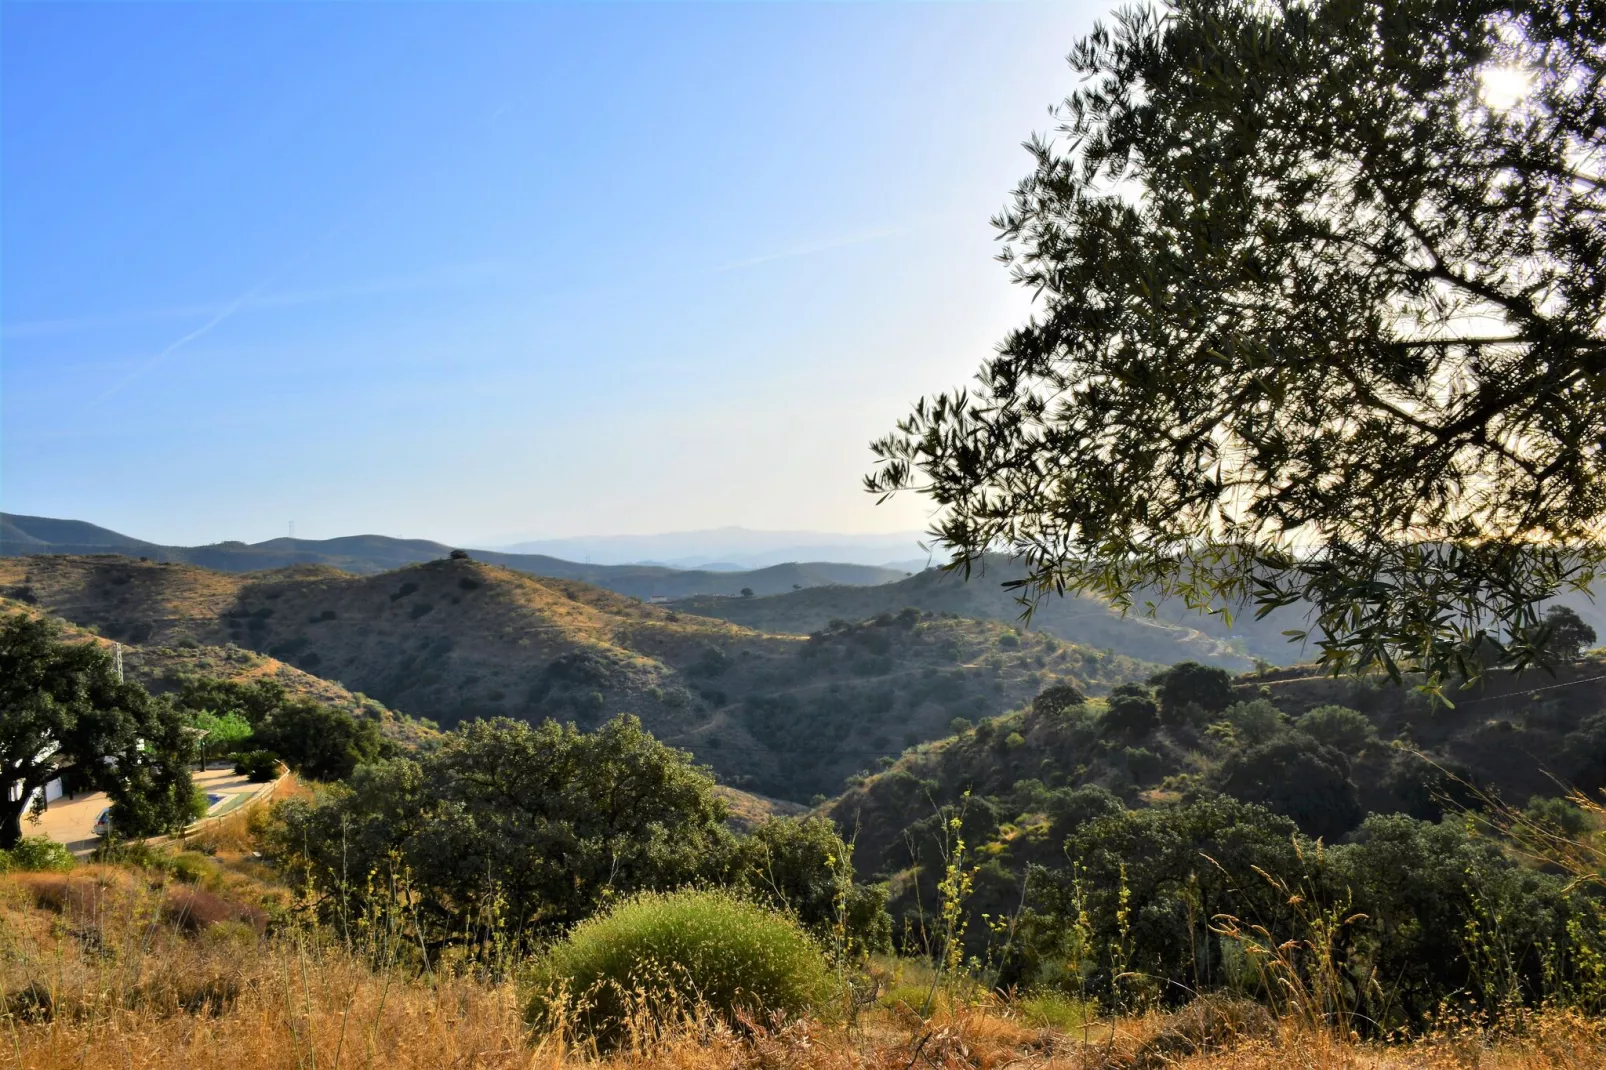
(114, 966)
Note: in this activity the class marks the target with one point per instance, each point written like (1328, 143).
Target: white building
(52, 791)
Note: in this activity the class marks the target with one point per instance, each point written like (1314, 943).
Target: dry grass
(97, 971)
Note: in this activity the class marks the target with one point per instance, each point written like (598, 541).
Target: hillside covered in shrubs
(455, 639)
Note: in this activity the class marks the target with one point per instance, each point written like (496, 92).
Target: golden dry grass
(98, 970)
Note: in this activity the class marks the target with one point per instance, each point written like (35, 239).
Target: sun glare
(1505, 87)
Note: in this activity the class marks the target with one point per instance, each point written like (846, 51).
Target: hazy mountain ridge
(380, 553)
(1080, 620)
(727, 548)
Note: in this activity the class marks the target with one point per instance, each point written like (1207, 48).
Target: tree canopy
(544, 821)
(1319, 324)
(64, 712)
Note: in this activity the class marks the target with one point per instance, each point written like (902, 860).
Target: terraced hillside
(786, 715)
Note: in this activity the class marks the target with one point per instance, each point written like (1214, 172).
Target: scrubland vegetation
(1320, 334)
(789, 716)
(205, 957)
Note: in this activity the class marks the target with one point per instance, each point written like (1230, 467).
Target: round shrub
(258, 766)
(669, 955)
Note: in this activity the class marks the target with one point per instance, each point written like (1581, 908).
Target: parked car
(103, 823)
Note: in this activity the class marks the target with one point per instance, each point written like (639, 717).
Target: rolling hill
(1080, 620)
(161, 669)
(1172, 633)
(456, 638)
(22, 535)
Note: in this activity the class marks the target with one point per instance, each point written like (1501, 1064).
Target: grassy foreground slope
(204, 962)
(454, 639)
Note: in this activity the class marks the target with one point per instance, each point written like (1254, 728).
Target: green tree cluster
(319, 741)
(64, 712)
(1409, 914)
(523, 830)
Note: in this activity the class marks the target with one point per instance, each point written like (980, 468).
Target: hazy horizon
(455, 270)
(731, 545)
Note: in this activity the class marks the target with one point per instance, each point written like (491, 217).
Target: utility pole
(117, 660)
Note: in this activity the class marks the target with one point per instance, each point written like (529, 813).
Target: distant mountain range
(367, 554)
(733, 548)
(795, 598)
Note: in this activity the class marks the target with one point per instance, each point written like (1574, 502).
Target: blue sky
(473, 271)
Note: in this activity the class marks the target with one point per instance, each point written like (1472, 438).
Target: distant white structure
(52, 791)
(657, 599)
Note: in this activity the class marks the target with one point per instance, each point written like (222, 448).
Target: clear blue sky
(466, 271)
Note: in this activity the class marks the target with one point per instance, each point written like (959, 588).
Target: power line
(1533, 690)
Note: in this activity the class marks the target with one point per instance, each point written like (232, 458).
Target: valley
(454, 639)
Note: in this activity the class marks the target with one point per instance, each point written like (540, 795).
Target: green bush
(1340, 727)
(681, 953)
(36, 854)
(258, 766)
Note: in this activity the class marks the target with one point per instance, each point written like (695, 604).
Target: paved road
(71, 821)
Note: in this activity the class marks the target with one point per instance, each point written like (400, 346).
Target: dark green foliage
(1056, 699)
(1317, 326)
(1299, 778)
(152, 793)
(1423, 790)
(1254, 722)
(1071, 808)
(1191, 693)
(1558, 815)
(254, 701)
(1449, 914)
(1586, 752)
(1420, 913)
(1338, 727)
(674, 952)
(257, 766)
(318, 741)
(1130, 711)
(542, 818)
(1566, 634)
(64, 712)
(802, 866)
(1161, 859)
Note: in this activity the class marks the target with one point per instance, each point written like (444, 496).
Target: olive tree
(1319, 324)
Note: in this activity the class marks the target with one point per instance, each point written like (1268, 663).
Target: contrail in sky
(224, 313)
